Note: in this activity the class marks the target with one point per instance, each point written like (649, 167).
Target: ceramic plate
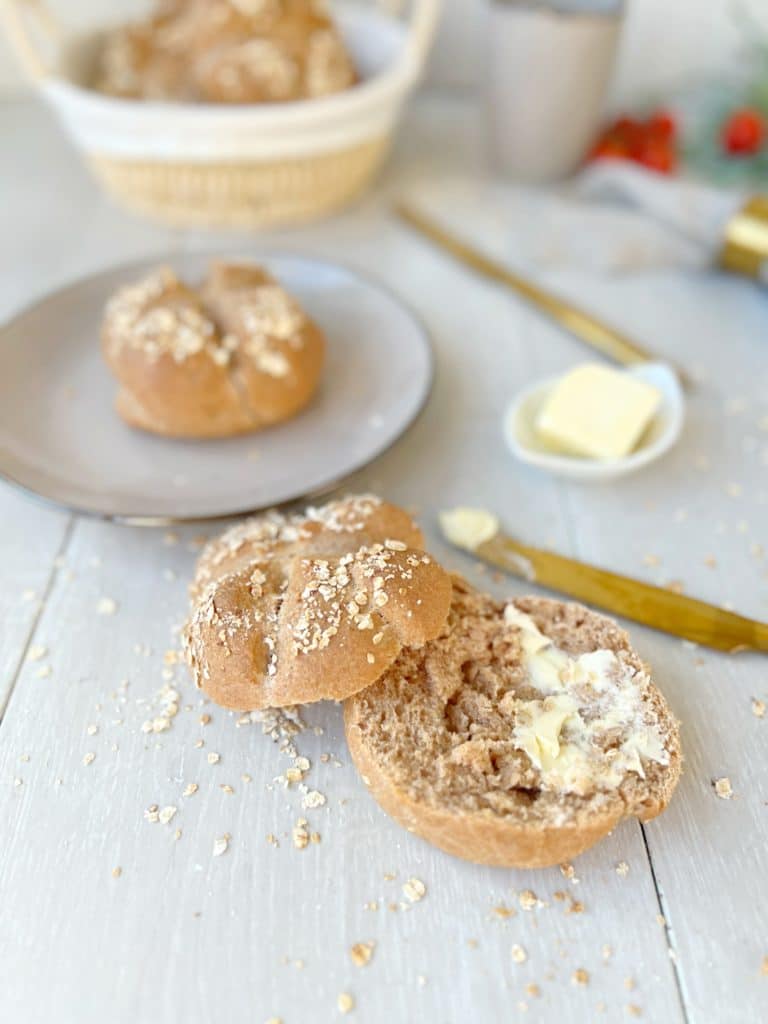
(61, 439)
(661, 434)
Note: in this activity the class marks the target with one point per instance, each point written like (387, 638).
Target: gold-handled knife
(588, 328)
(477, 531)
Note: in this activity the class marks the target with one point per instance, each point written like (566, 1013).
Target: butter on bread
(520, 736)
(290, 609)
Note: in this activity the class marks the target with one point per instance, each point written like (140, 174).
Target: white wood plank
(32, 537)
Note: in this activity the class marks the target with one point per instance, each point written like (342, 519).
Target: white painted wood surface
(181, 935)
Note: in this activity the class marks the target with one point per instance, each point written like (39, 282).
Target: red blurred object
(662, 124)
(743, 132)
(650, 142)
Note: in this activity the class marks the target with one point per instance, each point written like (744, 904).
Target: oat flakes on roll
(520, 736)
(236, 355)
(291, 609)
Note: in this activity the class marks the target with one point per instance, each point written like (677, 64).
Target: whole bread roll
(237, 355)
(520, 736)
(228, 51)
(291, 609)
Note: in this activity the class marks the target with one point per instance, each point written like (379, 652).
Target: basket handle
(15, 18)
(423, 22)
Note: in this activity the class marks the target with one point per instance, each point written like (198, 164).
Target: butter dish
(527, 445)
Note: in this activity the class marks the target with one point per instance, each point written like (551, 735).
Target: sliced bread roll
(291, 609)
(520, 736)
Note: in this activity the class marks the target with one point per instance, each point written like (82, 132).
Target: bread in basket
(233, 166)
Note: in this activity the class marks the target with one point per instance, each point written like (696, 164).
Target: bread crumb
(622, 869)
(36, 652)
(213, 757)
(519, 954)
(634, 1010)
(533, 990)
(190, 789)
(116, 872)
(205, 719)
(345, 1002)
(722, 787)
(106, 606)
(313, 799)
(503, 912)
(361, 953)
(758, 708)
(245, 777)
(529, 900)
(226, 788)
(89, 758)
(414, 890)
(221, 845)
(580, 977)
(607, 952)
(300, 834)
(764, 967)
(630, 984)
(43, 672)
(166, 815)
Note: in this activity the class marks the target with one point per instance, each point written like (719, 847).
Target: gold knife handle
(589, 329)
(652, 606)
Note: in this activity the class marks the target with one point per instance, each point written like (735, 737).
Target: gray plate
(61, 439)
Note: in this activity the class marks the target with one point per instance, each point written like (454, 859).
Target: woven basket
(244, 166)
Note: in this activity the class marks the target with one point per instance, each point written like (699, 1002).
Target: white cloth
(615, 217)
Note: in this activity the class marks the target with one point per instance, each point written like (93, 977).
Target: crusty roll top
(294, 609)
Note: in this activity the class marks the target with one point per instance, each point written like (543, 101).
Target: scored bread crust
(234, 356)
(294, 609)
(485, 835)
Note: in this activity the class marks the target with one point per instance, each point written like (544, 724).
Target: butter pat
(597, 412)
(468, 528)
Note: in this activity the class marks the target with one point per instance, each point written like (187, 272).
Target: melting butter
(582, 700)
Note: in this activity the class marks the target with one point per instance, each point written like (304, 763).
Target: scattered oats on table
(221, 845)
(519, 954)
(190, 789)
(414, 890)
(345, 1002)
(361, 953)
(167, 814)
(89, 758)
(214, 758)
(36, 652)
(528, 900)
(622, 869)
(722, 787)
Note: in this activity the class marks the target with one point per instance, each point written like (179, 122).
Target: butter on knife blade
(468, 528)
(477, 531)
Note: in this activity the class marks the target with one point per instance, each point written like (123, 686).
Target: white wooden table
(108, 917)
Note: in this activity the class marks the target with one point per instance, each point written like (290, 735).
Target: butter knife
(478, 532)
(587, 328)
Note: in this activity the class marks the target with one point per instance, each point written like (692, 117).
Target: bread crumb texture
(520, 735)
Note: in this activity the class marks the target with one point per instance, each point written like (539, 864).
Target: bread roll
(238, 355)
(294, 609)
(228, 51)
(520, 736)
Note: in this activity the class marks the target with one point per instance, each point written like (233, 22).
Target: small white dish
(664, 430)
(60, 437)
